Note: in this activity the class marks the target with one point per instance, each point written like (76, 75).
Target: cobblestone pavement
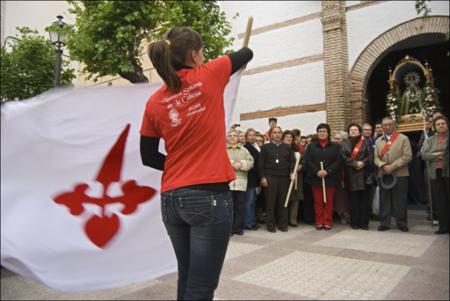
(302, 263)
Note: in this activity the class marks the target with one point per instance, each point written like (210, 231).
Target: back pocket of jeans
(197, 211)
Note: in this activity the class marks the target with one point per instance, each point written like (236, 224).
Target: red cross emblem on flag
(102, 229)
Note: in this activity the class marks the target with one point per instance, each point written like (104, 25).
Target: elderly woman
(341, 203)
(357, 154)
(328, 153)
(242, 162)
(297, 189)
(435, 152)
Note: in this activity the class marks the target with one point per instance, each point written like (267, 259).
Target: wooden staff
(323, 184)
(248, 32)
(297, 161)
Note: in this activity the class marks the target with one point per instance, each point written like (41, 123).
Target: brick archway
(373, 53)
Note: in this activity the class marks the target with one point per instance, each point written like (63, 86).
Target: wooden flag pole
(248, 32)
(297, 161)
(323, 184)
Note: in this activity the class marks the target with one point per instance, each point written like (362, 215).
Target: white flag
(79, 211)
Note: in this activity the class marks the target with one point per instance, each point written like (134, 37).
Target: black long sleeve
(240, 58)
(150, 155)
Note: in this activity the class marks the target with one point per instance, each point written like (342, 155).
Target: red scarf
(388, 145)
(356, 149)
(300, 148)
(324, 142)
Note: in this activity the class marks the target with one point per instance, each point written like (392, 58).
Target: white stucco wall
(286, 43)
(306, 122)
(366, 24)
(292, 86)
(266, 12)
(34, 14)
(302, 84)
(3, 13)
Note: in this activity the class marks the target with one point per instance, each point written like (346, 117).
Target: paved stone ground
(302, 263)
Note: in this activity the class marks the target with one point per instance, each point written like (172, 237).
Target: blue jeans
(250, 200)
(199, 225)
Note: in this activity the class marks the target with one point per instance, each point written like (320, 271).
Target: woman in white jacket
(242, 162)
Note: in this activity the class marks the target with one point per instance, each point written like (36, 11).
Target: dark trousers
(440, 197)
(260, 205)
(199, 225)
(307, 205)
(276, 191)
(238, 210)
(359, 207)
(370, 195)
(250, 211)
(393, 202)
(431, 204)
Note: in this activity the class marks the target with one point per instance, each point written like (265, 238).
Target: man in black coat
(276, 166)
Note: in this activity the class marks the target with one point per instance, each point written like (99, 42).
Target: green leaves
(28, 66)
(422, 7)
(109, 35)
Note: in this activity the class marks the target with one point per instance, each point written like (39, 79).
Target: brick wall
(335, 63)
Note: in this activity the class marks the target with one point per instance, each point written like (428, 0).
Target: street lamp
(58, 37)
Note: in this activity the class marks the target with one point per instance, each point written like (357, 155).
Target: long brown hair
(170, 54)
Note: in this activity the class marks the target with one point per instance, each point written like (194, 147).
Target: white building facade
(312, 59)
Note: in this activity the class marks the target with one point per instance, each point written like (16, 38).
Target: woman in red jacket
(196, 203)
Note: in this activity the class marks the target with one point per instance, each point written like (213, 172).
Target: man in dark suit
(276, 165)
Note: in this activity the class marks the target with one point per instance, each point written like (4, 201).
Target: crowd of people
(353, 176)
(211, 190)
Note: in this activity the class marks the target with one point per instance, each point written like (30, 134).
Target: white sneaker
(435, 223)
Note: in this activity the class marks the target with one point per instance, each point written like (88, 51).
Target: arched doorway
(422, 38)
(426, 48)
(411, 35)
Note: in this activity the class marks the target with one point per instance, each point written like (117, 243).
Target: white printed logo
(174, 116)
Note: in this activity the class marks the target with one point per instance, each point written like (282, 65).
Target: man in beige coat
(392, 155)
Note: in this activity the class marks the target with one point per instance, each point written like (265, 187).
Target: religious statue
(418, 96)
(413, 96)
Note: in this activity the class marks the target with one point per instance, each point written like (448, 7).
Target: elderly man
(276, 165)
(392, 155)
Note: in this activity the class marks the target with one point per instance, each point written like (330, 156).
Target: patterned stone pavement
(301, 264)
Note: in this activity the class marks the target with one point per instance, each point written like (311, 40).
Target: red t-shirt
(192, 124)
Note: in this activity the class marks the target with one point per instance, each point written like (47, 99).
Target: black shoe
(403, 229)
(364, 227)
(355, 227)
(440, 231)
(383, 228)
(319, 227)
(327, 228)
(283, 229)
(271, 229)
(252, 227)
(293, 225)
